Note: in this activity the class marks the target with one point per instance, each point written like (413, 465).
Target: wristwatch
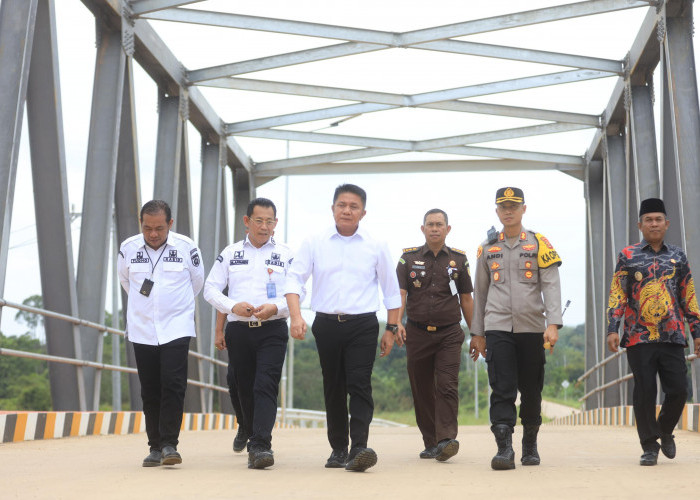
(392, 328)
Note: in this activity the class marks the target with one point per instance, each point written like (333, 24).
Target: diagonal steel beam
(419, 99)
(263, 167)
(349, 140)
(387, 39)
(398, 99)
(143, 6)
(282, 60)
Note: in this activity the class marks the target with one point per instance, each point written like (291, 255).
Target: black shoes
(361, 459)
(241, 440)
(649, 458)
(505, 458)
(530, 455)
(153, 459)
(668, 445)
(446, 449)
(337, 460)
(259, 458)
(170, 456)
(431, 452)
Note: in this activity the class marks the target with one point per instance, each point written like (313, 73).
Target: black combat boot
(505, 458)
(530, 455)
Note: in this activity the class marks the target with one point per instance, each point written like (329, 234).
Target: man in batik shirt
(653, 291)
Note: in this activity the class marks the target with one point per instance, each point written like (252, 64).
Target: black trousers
(162, 372)
(668, 361)
(515, 363)
(346, 351)
(233, 389)
(258, 355)
(432, 361)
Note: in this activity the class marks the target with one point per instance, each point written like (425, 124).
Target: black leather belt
(341, 318)
(430, 328)
(258, 323)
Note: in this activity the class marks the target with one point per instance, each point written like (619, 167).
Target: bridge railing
(600, 365)
(98, 328)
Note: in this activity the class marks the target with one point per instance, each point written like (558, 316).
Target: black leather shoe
(337, 460)
(361, 459)
(446, 449)
(153, 459)
(259, 458)
(649, 458)
(668, 445)
(240, 441)
(431, 452)
(170, 456)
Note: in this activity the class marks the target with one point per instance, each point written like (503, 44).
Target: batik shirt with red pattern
(653, 293)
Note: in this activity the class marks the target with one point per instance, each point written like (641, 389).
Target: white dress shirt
(346, 271)
(247, 270)
(168, 311)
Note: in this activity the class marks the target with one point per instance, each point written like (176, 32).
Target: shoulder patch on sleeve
(479, 251)
(458, 250)
(120, 253)
(411, 249)
(220, 258)
(401, 260)
(546, 254)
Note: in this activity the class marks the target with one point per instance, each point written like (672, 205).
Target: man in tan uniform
(517, 297)
(436, 292)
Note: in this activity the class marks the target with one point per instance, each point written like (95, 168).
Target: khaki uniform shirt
(426, 277)
(517, 288)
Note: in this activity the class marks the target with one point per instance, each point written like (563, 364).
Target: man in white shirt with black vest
(347, 264)
(255, 271)
(162, 274)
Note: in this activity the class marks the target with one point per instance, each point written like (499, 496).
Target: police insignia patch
(479, 251)
(495, 265)
(528, 248)
(494, 249)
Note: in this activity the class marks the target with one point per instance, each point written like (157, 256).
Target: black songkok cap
(510, 194)
(652, 205)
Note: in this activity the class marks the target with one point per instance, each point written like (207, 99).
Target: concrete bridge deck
(577, 462)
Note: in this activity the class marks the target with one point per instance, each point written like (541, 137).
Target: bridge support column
(594, 189)
(98, 197)
(45, 125)
(685, 122)
(17, 20)
(243, 193)
(127, 204)
(209, 243)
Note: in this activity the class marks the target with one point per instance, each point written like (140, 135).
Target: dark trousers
(346, 351)
(433, 361)
(515, 363)
(668, 361)
(258, 355)
(233, 389)
(162, 372)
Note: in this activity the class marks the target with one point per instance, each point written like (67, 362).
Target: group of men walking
(258, 283)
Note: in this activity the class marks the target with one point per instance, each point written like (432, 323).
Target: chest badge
(495, 266)
(496, 276)
(528, 274)
(412, 274)
(638, 276)
(453, 263)
(417, 284)
(419, 262)
(528, 265)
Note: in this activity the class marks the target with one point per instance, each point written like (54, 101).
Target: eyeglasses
(267, 222)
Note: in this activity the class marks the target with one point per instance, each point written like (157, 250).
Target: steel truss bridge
(631, 157)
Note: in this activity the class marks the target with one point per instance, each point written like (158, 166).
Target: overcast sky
(396, 202)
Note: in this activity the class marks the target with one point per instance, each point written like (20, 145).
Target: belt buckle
(254, 324)
(431, 328)
(340, 320)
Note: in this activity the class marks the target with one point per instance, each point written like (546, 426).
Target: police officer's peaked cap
(652, 205)
(510, 194)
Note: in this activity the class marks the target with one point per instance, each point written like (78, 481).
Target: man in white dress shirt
(347, 264)
(254, 270)
(161, 272)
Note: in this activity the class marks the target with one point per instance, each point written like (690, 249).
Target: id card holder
(146, 287)
(271, 290)
(453, 287)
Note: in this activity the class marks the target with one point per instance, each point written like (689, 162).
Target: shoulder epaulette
(458, 250)
(411, 249)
